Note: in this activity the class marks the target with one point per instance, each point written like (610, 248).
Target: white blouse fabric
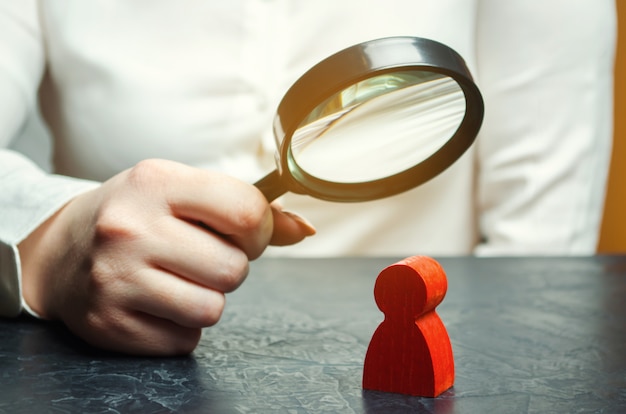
(198, 82)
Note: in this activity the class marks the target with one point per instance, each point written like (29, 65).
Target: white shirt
(199, 82)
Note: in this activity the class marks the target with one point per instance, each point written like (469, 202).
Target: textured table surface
(538, 335)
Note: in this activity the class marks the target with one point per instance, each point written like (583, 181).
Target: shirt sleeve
(546, 72)
(28, 196)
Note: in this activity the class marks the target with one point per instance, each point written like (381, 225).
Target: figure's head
(410, 288)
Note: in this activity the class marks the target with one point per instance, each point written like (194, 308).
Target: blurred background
(36, 144)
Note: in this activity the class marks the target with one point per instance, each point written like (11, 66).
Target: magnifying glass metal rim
(346, 68)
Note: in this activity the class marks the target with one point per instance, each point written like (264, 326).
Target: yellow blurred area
(613, 234)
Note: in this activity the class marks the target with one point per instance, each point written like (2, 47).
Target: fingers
(149, 335)
(196, 254)
(234, 209)
(152, 313)
(224, 204)
(140, 334)
(181, 301)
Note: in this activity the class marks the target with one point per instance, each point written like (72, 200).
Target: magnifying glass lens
(374, 120)
(379, 127)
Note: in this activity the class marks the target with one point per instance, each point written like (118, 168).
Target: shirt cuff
(10, 282)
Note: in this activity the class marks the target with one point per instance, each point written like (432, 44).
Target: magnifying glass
(374, 120)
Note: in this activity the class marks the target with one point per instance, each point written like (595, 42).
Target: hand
(141, 264)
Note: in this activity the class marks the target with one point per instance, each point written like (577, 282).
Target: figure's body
(410, 351)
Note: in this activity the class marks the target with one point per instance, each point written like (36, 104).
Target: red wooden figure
(410, 352)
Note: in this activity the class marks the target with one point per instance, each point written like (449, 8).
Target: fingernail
(302, 222)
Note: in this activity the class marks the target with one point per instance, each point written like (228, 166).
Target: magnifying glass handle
(271, 186)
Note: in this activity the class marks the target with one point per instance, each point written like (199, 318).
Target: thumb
(289, 228)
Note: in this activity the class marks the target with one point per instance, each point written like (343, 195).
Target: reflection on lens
(379, 127)
(368, 89)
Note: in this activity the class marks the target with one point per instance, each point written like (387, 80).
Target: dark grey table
(536, 335)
